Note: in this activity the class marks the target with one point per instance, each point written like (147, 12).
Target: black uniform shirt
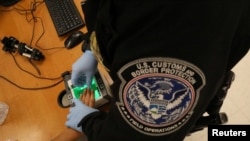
(167, 59)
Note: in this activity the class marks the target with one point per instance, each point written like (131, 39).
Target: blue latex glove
(77, 113)
(84, 69)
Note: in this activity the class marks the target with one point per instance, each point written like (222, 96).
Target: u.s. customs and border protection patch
(157, 95)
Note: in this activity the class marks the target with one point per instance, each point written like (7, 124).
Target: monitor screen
(8, 2)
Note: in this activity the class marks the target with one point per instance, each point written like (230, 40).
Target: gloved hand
(84, 69)
(77, 113)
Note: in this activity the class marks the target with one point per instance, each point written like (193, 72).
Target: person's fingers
(87, 96)
(83, 96)
(92, 99)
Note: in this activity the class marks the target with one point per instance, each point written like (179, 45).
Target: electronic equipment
(8, 2)
(65, 15)
(11, 44)
(99, 85)
(74, 39)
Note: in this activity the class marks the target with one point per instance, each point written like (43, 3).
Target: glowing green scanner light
(77, 91)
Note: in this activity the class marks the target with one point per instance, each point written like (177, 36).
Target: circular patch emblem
(157, 97)
(158, 101)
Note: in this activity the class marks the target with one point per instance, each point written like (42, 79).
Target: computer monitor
(8, 2)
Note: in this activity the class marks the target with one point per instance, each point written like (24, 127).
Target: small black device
(11, 44)
(74, 39)
(99, 85)
(65, 15)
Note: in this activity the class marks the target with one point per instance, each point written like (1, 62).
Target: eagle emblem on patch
(157, 95)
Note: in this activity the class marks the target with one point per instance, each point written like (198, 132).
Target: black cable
(37, 69)
(40, 37)
(34, 19)
(26, 88)
(30, 72)
(22, 11)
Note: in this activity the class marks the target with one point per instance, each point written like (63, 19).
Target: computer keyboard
(65, 15)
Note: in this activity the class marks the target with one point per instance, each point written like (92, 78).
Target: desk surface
(34, 115)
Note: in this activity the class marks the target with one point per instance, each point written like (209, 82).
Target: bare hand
(88, 97)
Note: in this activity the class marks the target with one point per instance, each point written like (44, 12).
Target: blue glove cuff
(77, 113)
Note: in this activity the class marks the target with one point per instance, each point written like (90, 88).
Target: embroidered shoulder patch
(157, 95)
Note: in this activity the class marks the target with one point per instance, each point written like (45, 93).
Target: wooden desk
(34, 115)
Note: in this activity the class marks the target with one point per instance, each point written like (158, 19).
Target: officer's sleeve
(241, 40)
(90, 10)
(93, 125)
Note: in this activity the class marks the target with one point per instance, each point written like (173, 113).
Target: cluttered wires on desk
(39, 77)
(30, 88)
(10, 46)
(31, 17)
